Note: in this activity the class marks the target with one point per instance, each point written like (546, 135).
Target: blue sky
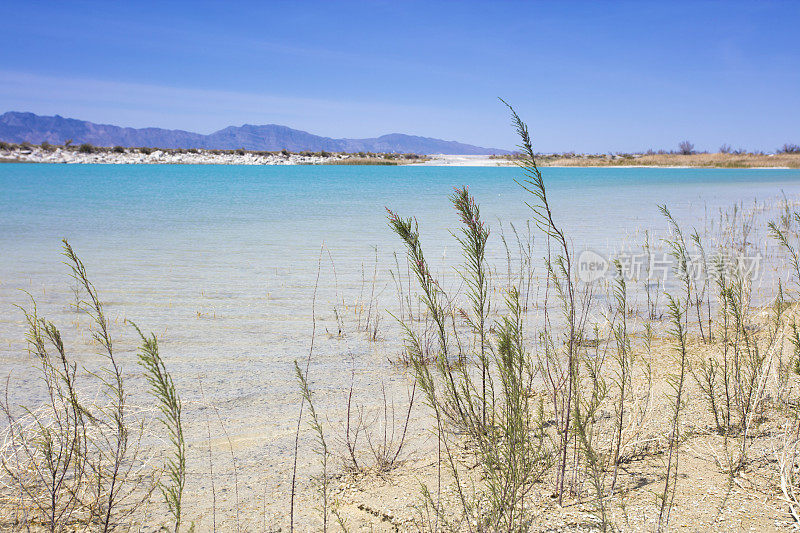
(586, 76)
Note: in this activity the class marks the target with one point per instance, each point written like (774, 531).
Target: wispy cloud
(204, 111)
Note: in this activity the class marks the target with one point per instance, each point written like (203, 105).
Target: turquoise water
(225, 257)
(221, 262)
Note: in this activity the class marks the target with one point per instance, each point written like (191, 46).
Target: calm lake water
(221, 262)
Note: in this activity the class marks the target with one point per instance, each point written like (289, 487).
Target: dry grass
(676, 160)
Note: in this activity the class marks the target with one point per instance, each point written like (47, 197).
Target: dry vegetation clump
(718, 160)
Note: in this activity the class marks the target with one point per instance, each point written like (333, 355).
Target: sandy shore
(445, 160)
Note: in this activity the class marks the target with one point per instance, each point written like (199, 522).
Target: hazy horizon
(588, 77)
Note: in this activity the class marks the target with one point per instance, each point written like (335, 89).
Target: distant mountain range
(19, 127)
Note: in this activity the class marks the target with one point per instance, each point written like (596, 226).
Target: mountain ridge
(18, 127)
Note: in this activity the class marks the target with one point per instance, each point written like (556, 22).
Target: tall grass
(163, 390)
(474, 235)
(480, 392)
(322, 445)
(676, 381)
(560, 278)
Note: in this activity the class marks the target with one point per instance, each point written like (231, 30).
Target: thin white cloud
(204, 111)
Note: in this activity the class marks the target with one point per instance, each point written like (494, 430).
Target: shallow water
(221, 262)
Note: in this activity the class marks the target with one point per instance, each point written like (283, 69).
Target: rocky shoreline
(129, 156)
